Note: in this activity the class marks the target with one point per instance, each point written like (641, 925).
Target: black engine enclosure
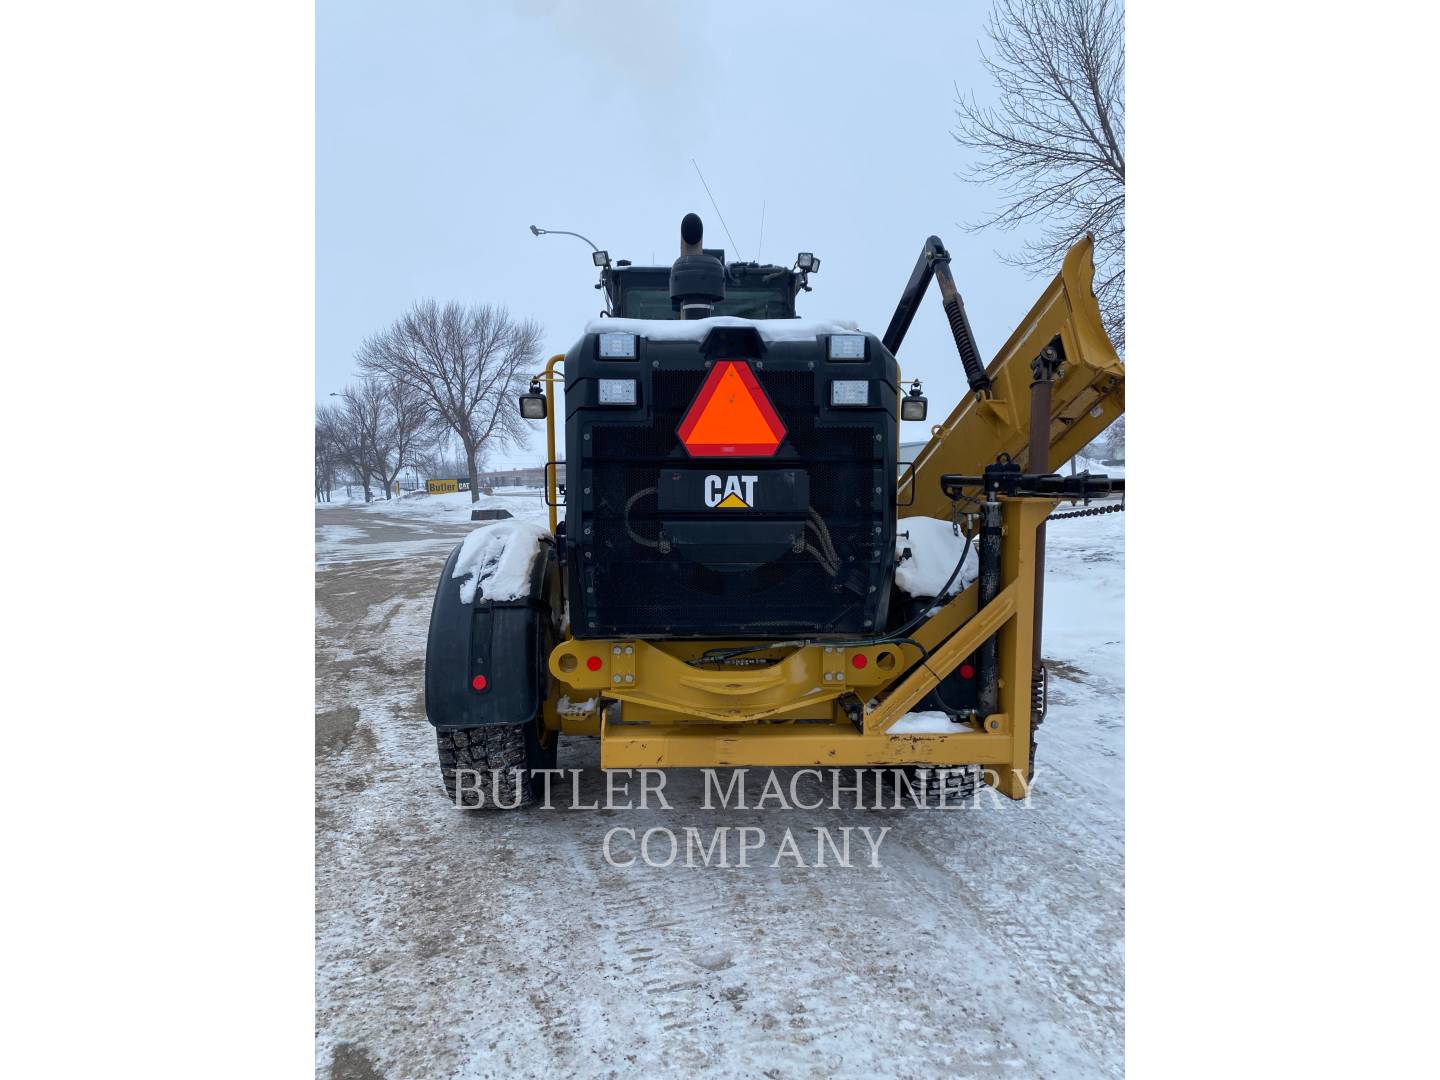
(671, 566)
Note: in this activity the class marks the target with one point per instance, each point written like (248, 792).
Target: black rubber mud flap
(485, 662)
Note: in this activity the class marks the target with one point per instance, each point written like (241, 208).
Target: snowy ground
(987, 943)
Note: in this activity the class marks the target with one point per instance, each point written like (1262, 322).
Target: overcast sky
(446, 127)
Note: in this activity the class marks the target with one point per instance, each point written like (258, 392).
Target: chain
(1091, 511)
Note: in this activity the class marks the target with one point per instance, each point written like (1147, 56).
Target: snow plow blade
(1088, 396)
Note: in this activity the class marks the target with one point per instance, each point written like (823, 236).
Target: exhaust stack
(697, 280)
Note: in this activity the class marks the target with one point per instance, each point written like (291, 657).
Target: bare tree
(468, 364)
(365, 408)
(327, 461)
(410, 427)
(349, 438)
(1115, 439)
(1054, 144)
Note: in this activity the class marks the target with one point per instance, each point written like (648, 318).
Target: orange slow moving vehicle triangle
(731, 416)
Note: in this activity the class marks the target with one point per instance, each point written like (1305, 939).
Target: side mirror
(914, 405)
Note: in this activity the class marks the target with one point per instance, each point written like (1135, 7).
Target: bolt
(629, 678)
(994, 725)
(617, 678)
(839, 676)
(629, 649)
(587, 436)
(829, 676)
(616, 650)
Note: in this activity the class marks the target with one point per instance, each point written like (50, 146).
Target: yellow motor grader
(740, 573)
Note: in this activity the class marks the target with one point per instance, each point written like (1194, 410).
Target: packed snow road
(986, 942)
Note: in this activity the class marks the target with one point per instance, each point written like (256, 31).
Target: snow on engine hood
(934, 551)
(695, 329)
(498, 559)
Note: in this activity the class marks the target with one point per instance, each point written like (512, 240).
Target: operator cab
(752, 291)
(701, 284)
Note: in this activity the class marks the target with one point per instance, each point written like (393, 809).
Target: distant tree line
(436, 392)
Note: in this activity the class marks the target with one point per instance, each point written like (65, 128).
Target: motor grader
(726, 581)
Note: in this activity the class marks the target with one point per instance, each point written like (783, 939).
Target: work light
(600, 258)
(850, 392)
(847, 346)
(617, 346)
(533, 405)
(914, 405)
(617, 391)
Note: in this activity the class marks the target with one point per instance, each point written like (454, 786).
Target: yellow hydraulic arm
(1088, 393)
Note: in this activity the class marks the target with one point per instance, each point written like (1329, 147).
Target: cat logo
(730, 492)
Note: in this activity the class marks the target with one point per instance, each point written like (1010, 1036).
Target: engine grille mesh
(640, 590)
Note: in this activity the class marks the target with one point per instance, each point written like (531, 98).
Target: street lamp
(562, 232)
(599, 257)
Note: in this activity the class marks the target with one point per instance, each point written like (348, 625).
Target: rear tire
(493, 767)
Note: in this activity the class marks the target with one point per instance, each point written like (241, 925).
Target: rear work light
(617, 391)
(850, 391)
(847, 346)
(617, 346)
(479, 682)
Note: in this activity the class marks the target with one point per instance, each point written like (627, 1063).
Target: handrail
(551, 475)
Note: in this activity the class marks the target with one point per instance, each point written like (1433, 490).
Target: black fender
(506, 642)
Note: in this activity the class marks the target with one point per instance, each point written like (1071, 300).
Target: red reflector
(967, 671)
(731, 416)
(479, 682)
(594, 663)
(859, 660)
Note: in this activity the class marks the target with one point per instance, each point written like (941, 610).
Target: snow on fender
(498, 560)
(489, 629)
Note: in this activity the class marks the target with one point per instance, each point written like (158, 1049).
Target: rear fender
(507, 642)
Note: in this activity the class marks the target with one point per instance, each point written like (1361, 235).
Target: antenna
(761, 246)
(721, 216)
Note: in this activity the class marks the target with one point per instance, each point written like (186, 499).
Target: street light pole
(563, 232)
